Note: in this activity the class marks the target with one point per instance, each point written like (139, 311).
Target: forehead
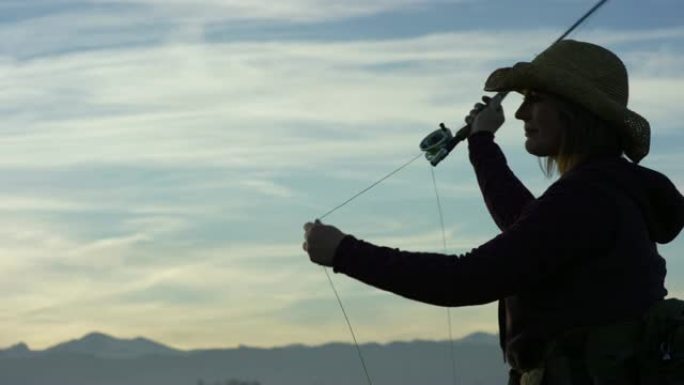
(534, 92)
(543, 96)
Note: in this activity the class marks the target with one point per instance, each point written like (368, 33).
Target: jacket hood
(661, 203)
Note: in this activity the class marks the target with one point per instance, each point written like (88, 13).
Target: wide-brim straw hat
(588, 75)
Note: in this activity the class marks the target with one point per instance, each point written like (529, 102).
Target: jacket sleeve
(560, 228)
(504, 194)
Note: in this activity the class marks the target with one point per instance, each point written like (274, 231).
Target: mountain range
(97, 345)
(100, 359)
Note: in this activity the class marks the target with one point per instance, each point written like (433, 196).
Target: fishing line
(351, 330)
(439, 209)
(438, 151)
(330, 281)
(444, 244)
(371, 186)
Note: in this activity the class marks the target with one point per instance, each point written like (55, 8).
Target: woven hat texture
(588, 75)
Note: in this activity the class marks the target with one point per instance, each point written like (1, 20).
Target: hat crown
(596, 65)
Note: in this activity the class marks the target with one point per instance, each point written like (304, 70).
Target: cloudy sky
(159, 157)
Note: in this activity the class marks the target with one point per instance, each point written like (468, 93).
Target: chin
(537, 149)
(532, 149)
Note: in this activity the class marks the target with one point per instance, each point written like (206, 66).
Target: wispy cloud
(297, 10)
(195, 103)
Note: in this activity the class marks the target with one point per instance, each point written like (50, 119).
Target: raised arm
(504, 194)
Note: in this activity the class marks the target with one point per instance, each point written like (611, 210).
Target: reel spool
(439, 143)
(435, 144)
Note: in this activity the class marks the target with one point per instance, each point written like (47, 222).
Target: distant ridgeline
(98, 359)
(227, 382)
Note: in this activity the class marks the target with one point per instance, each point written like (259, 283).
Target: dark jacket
(584, 253)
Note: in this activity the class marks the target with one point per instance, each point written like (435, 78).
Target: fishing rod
(436, 146)
(439, 143)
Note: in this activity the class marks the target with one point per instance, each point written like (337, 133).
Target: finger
(308, 226)
(305, 246)
(496, 104)
(486, 99)
(498, 98)
(318, 222)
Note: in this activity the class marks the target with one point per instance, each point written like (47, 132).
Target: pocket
(662, 352)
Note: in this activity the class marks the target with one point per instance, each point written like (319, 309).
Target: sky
(158, 158)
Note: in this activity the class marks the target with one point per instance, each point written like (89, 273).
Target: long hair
(584, 136)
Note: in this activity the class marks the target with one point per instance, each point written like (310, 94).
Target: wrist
(475, 135)
(339, 255)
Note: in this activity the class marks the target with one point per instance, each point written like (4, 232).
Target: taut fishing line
(444, 245)
(436, 146)
(371, 186)
(332, 285)
(351, 330)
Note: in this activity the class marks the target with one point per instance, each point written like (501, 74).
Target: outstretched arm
(545, 241)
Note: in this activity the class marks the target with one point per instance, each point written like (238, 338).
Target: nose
(523, 112)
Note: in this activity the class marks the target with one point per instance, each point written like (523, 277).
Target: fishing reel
(439, 143)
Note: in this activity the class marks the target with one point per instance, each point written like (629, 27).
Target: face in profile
(543, 124)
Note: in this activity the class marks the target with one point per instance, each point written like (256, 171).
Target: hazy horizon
(159, 157)
(479, 337)
(105, 362)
